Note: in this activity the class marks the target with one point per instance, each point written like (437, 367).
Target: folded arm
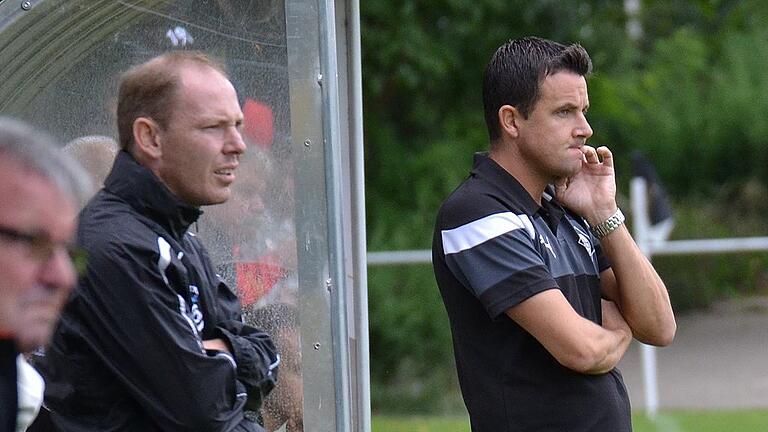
(576, 342)
(254, 351)
(153, 348)
(637, 289)
(256, 357)
(632, 282)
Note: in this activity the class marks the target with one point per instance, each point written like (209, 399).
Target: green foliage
(696, 281)
(696, 115)
(411, 353)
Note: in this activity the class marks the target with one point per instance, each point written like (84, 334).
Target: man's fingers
(590, 155)
(601, 154)
(606, 155)
(561, 184)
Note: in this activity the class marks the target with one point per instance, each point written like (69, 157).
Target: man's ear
(147, 138)
(509, 118)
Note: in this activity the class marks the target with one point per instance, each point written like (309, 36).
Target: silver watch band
(609, 225)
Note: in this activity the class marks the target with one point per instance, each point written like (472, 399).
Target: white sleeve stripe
(183, 311)
(165, 257)
(479, 231)
(228, 357)
(275, 364)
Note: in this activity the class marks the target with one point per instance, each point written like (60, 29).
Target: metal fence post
(640, 229)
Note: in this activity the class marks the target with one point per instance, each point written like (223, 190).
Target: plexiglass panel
(61, 62)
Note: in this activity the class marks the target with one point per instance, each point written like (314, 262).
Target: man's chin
(35, 335)
(570, 171)
(29, 343)
(216, 199)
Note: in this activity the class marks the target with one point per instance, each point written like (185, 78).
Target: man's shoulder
(474, 199)
(107, 223)
(105, 207)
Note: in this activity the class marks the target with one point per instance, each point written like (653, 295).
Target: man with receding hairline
(153, 338)
(543, 284)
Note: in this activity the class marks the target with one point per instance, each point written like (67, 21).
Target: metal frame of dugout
(299, 60)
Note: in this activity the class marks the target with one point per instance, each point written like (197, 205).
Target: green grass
(419, 424)
(704, 421)
(672, 421)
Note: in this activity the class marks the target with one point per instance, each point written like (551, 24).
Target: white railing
(650, 246)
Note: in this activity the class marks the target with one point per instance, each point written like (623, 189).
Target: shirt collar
(550, 209)
(486, 168)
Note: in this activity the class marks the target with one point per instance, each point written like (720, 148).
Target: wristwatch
(609, 225)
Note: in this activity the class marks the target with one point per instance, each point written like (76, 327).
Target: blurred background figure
(41, 191)
(96, 153)
(283, 408)
(253, 239)
(661, 220)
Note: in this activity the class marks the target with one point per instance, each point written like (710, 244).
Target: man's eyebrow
(570, 106)
(566, 106)
(220, 120)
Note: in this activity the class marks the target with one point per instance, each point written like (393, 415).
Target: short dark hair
(148, 90)
(516, 70)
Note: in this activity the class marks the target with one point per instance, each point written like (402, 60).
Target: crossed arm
(637, 289)
(576, 342)
(637, 303)
(632, 283)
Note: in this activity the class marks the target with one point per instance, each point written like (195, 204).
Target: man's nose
(235, 142)
(58, 271)
(583, 129)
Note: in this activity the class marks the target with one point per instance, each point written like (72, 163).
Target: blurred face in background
(37, 225)
(243, 215)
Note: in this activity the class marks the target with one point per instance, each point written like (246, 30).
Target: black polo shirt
(493, 248)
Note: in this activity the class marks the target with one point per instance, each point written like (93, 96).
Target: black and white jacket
(128, 354)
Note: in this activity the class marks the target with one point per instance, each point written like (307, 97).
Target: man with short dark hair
(41, 191)
(543, 284)
(153, 338)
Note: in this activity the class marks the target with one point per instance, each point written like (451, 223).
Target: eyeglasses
(41, 248)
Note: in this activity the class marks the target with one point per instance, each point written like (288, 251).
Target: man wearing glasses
(40, 192)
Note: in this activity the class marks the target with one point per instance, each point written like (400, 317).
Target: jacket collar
(143, 191)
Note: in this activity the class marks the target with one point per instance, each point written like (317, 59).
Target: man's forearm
(637, 289)
(217, 344)
(613, 352)
(574, 341)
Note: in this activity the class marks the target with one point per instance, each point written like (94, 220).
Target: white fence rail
(650, 247)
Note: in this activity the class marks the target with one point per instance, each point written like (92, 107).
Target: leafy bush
(696, 281)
